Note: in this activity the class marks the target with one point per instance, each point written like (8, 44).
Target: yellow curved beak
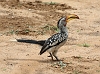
(71, 17)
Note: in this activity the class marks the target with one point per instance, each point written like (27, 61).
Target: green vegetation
(59, 64)
(76, 72)
(50, 27)
(78, 57)
(26, 31)
(78, 30)
(41, 31)
(97, 70)
(50, 3)
(84, 45)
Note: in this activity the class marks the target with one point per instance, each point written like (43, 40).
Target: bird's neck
(63, 30)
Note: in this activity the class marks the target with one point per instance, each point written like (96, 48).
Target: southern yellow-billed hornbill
(53, 43)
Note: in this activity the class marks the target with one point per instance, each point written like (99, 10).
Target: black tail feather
(41, 42)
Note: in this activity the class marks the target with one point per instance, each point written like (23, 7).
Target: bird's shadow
(41, 61)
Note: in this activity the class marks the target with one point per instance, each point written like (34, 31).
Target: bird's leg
(50, 56)
(54, 54)
(56, 57)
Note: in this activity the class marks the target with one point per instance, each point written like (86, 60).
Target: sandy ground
(80, 54)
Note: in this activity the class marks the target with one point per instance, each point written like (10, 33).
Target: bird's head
(63, 21)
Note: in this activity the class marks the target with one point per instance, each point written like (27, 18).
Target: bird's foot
(49, 56)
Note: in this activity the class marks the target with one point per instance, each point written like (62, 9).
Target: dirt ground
(37, 20)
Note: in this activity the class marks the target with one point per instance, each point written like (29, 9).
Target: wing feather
(55, 40)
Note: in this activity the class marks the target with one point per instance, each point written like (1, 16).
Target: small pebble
(29, 9)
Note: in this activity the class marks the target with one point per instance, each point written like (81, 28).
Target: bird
(52, 44)
(57, 40)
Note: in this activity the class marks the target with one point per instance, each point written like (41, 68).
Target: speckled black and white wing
(55, 40)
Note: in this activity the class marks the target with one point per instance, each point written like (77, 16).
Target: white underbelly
(55, 48)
